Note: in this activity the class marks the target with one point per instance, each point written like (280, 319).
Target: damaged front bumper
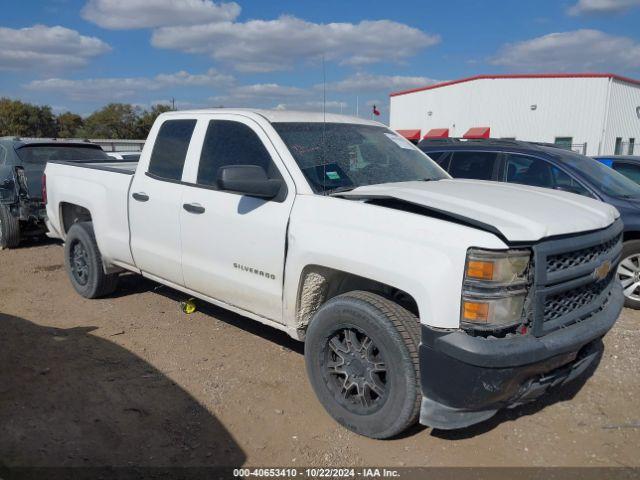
(466, 380)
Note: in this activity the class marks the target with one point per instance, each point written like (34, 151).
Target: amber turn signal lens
(480, 270)
(476, 312)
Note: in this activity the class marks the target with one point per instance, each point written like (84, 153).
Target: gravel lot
(131, 380)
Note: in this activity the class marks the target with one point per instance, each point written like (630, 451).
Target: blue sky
(81, 54)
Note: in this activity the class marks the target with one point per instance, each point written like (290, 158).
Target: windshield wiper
(333, 191)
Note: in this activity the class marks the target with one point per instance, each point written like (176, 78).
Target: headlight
(495, 288)
(497, 268)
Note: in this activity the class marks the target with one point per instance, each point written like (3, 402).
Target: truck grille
(580, 257)
(567, 288)
(566, 302)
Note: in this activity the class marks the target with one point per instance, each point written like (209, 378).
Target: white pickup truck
(418, 297)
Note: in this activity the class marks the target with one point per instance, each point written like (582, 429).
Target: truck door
(233, 246)
(155, 202)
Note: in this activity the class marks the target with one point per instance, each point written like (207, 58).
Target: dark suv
(22, 162)
(548, 166)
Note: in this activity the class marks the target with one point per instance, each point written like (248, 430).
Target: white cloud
(269, 45)
(131, 14)
(576, 50)
(262, 95)
(115, 89)
(267, 90)
(602, 6)
(364, 82)
(45, 48)
(315, 106)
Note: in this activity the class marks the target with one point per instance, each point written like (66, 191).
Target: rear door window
(536, 172)
(629, 170)
(529, 171)
(474, 165)
(170, 149)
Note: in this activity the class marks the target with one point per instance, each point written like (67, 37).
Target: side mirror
(249, 180)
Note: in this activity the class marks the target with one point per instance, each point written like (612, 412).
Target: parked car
(126, 156)
(548, 166)
(417, 296)
(627, 165)
(22, 164)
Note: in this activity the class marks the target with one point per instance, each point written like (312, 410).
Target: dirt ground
(131, 380)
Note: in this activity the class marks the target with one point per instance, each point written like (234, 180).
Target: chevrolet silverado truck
(418, 297)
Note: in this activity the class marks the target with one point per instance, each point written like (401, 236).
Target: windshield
(342, 156)
(602, 177)
(35, 153)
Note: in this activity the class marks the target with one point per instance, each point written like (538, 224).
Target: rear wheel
(629, 273)
(9, 228)
(361, 353)
(84, 263)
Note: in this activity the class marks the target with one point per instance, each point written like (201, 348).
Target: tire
(332, 361)
(9, 228)
(629, 273)
(83, 262)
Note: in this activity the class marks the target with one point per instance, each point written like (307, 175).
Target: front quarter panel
(420, 255)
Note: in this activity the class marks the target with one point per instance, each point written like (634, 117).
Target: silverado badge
(602, 271)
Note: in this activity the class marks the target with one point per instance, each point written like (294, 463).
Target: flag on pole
(376, 112)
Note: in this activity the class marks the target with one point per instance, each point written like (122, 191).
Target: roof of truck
(275, 116)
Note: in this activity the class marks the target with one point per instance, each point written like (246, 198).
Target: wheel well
(319, 284)
(71, 213)
(630, 236)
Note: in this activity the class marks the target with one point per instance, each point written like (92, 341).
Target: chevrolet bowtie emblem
(602, 271)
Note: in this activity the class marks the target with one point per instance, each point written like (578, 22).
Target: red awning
(410, 134)
(478, 132)
(437, 133)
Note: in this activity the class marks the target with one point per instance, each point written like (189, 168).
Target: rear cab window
(170, 149)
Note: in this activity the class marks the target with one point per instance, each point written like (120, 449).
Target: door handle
(140, 196)
(193, 208)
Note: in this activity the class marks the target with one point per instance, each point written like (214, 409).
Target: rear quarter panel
(104, 194)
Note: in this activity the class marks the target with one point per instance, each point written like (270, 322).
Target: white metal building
(596, 113)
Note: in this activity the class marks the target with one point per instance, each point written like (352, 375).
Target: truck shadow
(130, 284)
(72, 399)
(559, 394)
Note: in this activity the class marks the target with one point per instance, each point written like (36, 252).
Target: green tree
(115, 120)
(146, 119)
(26, 120)
(68, 124)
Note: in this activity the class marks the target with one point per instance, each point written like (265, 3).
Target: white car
(126, 156)
(418, 297)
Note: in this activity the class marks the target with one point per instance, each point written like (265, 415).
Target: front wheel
(84, 263)
(629, 273)
(361, 353)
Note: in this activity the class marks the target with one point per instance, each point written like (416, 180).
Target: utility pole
(173, 103)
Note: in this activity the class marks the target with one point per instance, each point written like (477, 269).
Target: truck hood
(517, 213)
